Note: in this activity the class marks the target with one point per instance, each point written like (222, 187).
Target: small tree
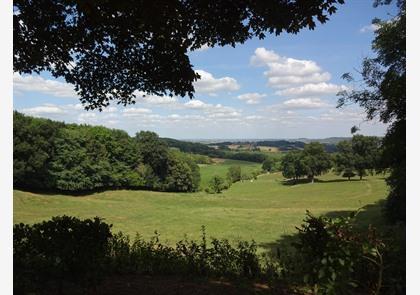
(268, 165)
(216, 185)
(234, 173)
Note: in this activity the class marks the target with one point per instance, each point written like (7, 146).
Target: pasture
(263, 210)
(220, 168)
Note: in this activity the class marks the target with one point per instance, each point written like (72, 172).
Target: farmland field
(264, 209)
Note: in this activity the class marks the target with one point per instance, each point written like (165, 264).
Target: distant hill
(215, 148)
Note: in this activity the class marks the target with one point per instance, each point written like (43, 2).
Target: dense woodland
(51, 155)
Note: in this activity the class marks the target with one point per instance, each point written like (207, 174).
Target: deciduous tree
(110, 49)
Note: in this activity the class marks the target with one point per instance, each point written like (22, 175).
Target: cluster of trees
(357, 156)
(70, 157)
(312, 161)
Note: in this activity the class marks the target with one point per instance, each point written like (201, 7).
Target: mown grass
(263, 210)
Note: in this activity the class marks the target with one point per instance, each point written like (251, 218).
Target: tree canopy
(383, 95)
(110, 49)
(358, 156)
(68, 157)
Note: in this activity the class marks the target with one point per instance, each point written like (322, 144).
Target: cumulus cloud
(263, 57)
(210, 85)
(252, 98)
(369, 28)
(196, 104)
(304, 103)
(284, 72)
(130, 112)
(311, 89)
(26, 83)
(143, 97)
(301, 82)
(47, 109)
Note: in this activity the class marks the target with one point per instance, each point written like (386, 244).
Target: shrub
(234, 174)
(216, 185)
(61, 249)
(334, 258)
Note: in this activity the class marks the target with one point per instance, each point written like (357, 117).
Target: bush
(188, 257)
(234, 174)
(216, 185)
(63, 249)
(333, 258)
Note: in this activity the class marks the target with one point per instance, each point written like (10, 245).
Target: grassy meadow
(263, 209)
(221, 167)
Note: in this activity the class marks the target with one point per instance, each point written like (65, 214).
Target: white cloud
(203, 48)
(291, 77)
(26, 83)
(132, 112)
(304, 103)
(286, 72)
(143, 97)
(251, 98)
(196, 104)
(46, 109)
(369, 28)
(282, 82)
(263, 57)
(210, 85)
(319, 89)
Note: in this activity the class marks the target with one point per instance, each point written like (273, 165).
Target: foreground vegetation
(328, 256)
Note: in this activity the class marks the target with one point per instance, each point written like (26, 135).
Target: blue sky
(279, 87)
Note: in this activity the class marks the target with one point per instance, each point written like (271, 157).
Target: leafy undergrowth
(134, 284)
(329, 256)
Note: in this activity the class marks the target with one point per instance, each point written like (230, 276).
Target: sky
(280, 87)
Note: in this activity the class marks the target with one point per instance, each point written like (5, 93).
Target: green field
(264, 209)
(221, 168)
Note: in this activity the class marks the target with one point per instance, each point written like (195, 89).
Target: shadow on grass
(83, 193)
(316, 180)
(369, 214)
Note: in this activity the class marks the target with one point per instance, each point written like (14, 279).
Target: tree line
(51, 155)
(356, 157)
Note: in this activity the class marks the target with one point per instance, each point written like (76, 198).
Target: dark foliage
(54, 253)
(316, 160)
(331, 256)
(63, 249)
(359, 156)
(33, 149)
(109, 49)
(383, 95)
(77, 158)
